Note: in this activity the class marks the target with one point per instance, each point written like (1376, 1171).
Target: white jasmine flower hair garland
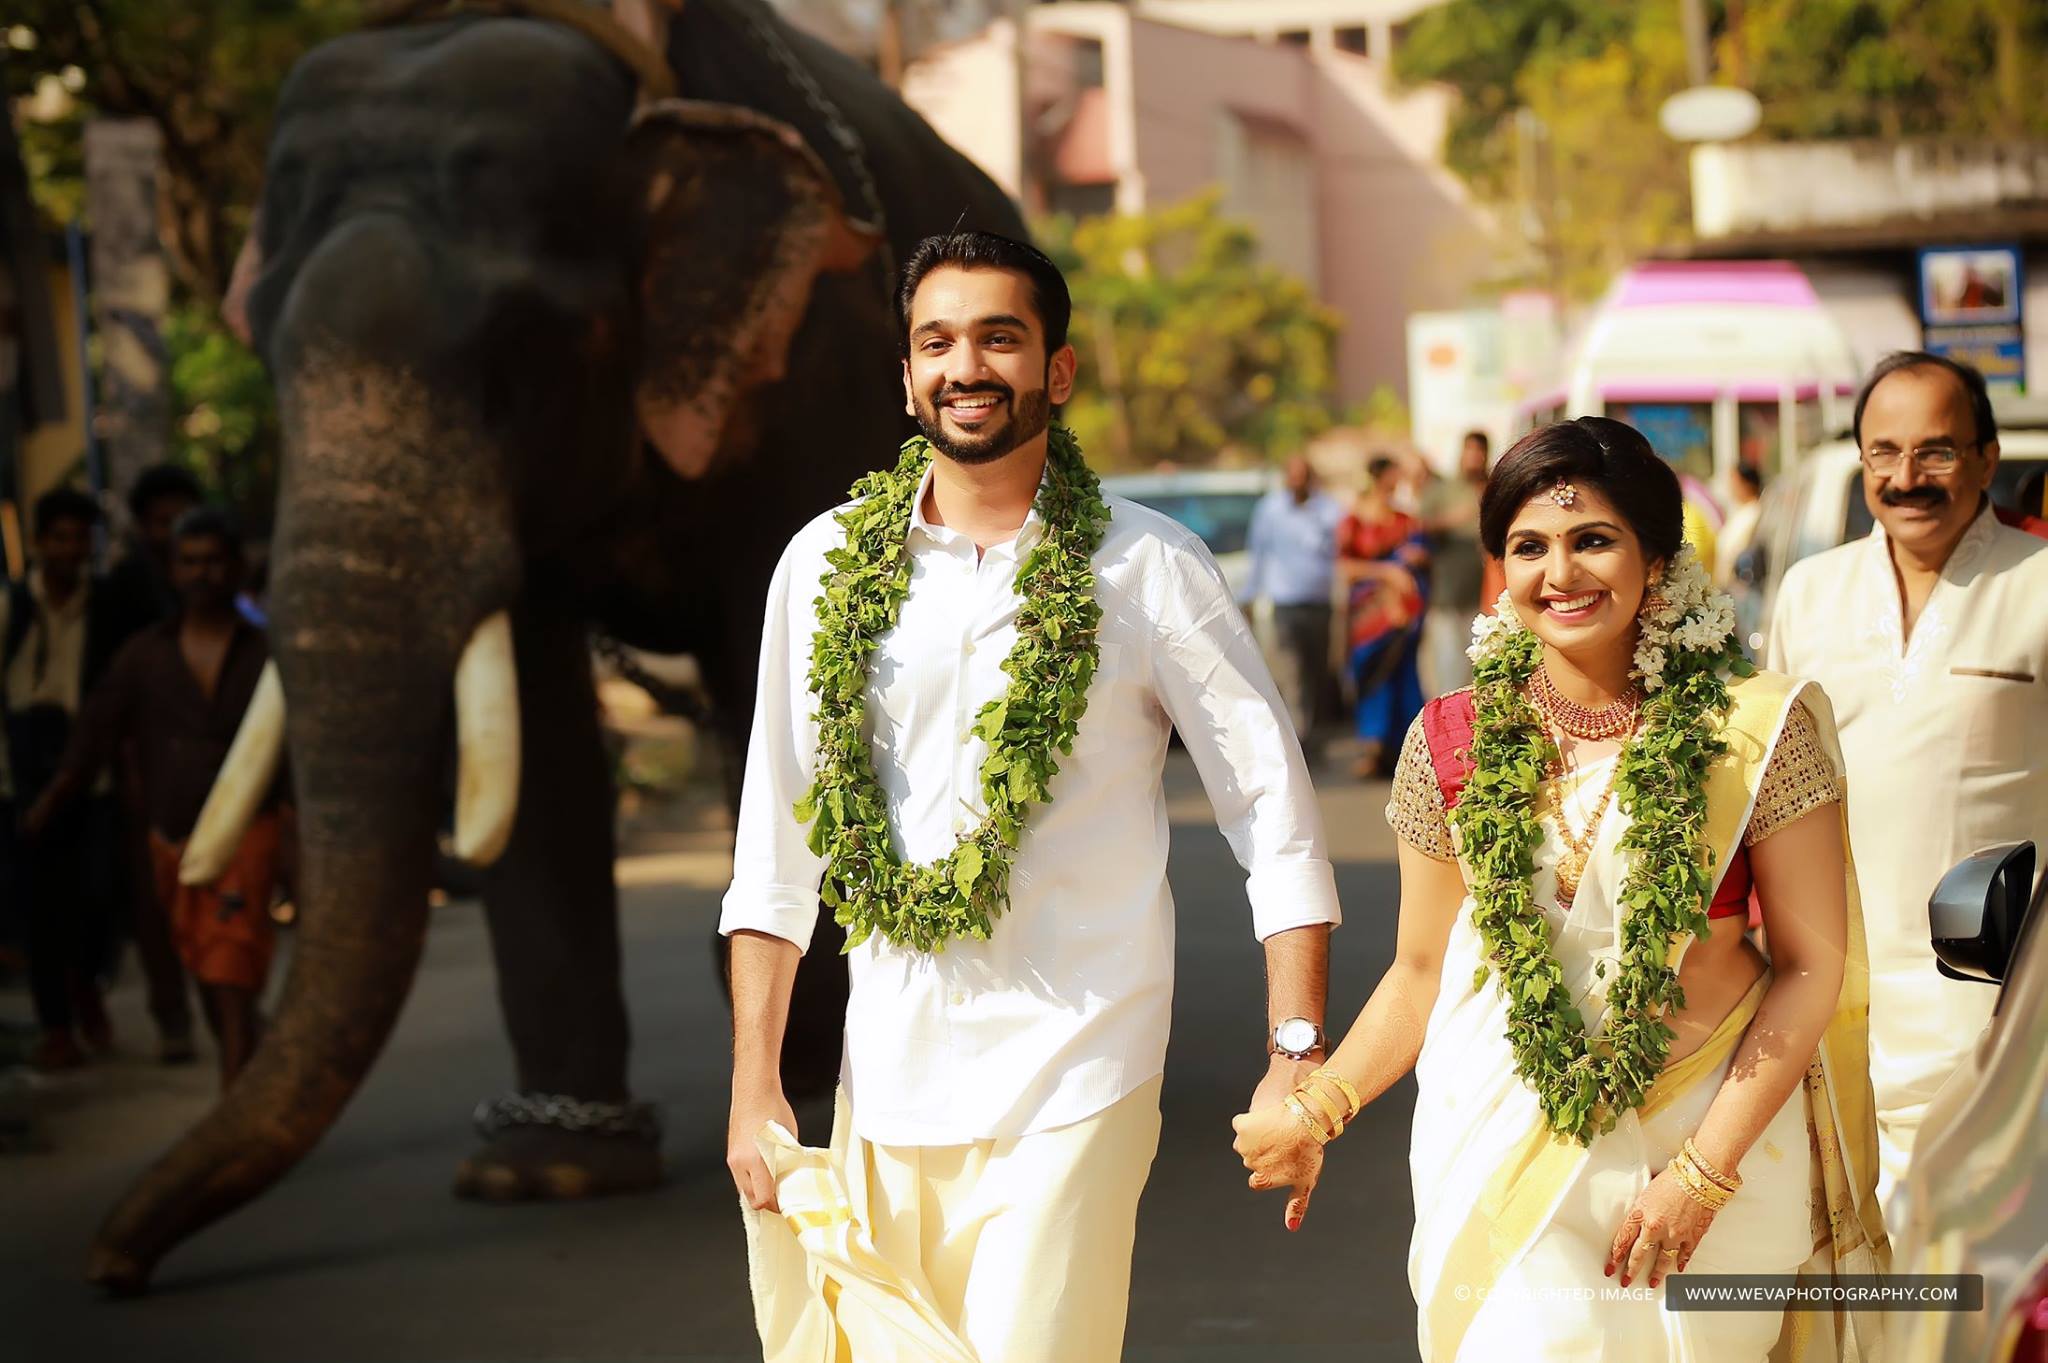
(1694, 617)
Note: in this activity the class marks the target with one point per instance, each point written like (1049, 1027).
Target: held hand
(753, 1107)
(1283, 1075)
(1663, 1220)
(1280, 1153)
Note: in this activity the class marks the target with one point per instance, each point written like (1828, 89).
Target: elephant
(573, 319)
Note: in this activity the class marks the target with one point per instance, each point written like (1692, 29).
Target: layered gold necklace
(1614, 720)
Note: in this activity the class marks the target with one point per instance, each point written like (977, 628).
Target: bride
(1616, 1083)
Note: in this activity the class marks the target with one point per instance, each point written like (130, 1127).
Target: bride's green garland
(1586, 1084)
(870, 889)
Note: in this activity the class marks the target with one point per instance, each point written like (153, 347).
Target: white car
(1975, 1195)
(1819, 505)
(1216, 504)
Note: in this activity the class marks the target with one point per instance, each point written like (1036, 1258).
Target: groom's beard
(1020, 419)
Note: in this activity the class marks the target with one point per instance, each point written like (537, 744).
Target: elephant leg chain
(755, 15)
(637, 1121)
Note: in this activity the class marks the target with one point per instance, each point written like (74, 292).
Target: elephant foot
(122, 1274)
(550, 1148)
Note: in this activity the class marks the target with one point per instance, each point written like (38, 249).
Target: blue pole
(74, 254)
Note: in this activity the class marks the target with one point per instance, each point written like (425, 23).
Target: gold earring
(1655, 601)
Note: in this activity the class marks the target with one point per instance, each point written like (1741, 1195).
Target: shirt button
(958, 998)
(967, 647)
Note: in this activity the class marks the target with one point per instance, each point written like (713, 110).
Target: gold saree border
(1522, 1194)
(1519, 1198)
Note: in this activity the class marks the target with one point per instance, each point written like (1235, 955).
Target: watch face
(1295, 1035)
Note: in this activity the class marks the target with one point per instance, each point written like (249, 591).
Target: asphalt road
(361, 1254)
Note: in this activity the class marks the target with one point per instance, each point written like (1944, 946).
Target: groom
(1013, 974)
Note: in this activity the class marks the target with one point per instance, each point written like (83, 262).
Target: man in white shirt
(1293, 546)
(1931, 638)
(999, 1107)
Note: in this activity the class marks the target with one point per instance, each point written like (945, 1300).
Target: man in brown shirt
(177, 691)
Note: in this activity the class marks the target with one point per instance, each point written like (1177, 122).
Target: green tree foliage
(1481, 47)
(1558, 98)
(206, 72)
(1189, 343)
(225, 429)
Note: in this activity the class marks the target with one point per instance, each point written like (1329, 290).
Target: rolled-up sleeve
(1216, 688)
(775, 874)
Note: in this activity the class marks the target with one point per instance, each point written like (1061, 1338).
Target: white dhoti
(999, 1251)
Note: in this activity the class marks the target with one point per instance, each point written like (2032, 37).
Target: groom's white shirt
(1065, 1010)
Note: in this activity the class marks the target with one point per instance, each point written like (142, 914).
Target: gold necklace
(1578, 847)
(1592, 726)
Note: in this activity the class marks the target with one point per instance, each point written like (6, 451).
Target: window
(1856, 519)
(1808, 432)
(1222, 519)
(1354, 40)
(1080, 201)
(1683, 432)
(1268, 173)
(1758, 436)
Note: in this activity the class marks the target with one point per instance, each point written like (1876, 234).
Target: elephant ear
(740, 219)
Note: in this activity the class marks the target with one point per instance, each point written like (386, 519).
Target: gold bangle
(1732, 1182)
(1696, 1185)
(1300, 1111)
(1716, 1196)
(1342, 1085)
(1329, 1109)
(1687, 1186)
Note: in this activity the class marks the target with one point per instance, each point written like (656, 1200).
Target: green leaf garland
(1585, 1084)
(870, 889)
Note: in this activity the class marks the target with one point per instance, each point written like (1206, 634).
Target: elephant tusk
(238, 790)
(487, 741)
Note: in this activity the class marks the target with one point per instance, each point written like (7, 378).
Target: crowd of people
(1398, 565)
(121, 693)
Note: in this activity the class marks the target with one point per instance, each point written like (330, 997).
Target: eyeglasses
(1935, 461)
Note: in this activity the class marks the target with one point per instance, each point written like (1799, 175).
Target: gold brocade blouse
(1799, 780)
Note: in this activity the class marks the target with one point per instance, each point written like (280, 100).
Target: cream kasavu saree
(1513, 1224)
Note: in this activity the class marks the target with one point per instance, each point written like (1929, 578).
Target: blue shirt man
(1293, 546)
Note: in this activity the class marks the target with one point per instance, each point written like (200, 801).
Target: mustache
(1922, 497)
(961, 390)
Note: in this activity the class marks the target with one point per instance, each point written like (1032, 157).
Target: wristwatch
(1296, 1038)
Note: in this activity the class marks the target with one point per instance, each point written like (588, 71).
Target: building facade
(1920, 243)
(1112, 107)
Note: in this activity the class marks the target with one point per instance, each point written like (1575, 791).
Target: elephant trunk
(394, 551)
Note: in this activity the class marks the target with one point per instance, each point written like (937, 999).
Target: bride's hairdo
(1594, 454)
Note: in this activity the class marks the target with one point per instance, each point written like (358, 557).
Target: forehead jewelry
(1564, 494)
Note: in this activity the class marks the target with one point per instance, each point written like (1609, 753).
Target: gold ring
(1668, 1252)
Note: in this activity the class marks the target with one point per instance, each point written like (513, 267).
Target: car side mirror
(1976, 912)
(1752, 566)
